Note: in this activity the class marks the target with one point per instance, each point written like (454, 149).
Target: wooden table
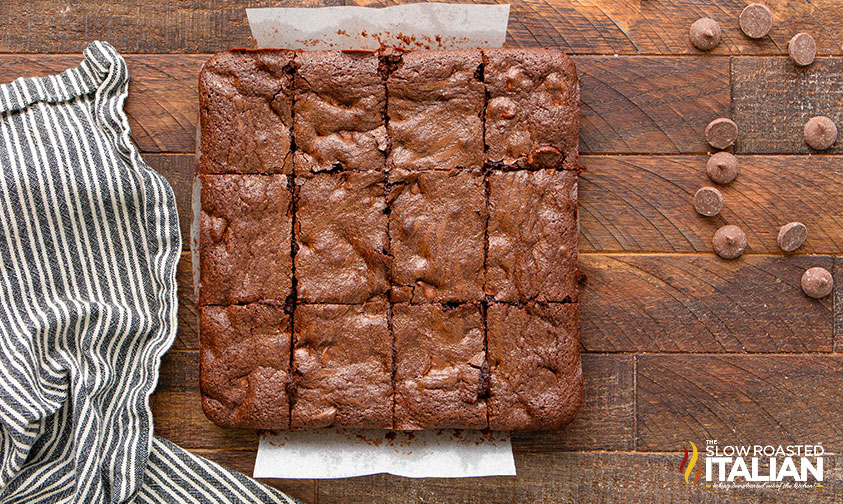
(678, 345)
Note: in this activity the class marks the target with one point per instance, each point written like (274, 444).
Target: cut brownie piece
(435, 107)
(343, 366)
(532, 116)
(339, 116)
(244, 239)
(245, 364)
(341, 235)
(245, 105)
(436, 224)
(532, 236)
(534, 358)
(440, 367)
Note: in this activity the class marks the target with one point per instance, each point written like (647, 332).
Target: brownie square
(245, 365)
(532, 236)
(245, 107)
(342, 363)
(532, 116)
(534, 359)
(339, 119)
(441, 375)
(435, 107)
(245, 231)
(341, 235)
(437, 225)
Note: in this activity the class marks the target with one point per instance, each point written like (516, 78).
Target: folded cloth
(89, 241)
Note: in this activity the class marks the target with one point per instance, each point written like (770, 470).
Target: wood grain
(739, 399)
(838, 304)
(700, 303)
(772, 99)
(645, 203)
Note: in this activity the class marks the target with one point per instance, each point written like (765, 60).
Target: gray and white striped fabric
(89, 241)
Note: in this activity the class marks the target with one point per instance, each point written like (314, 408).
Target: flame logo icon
(690, 467)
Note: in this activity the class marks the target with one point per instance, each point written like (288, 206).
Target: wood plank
(643, 203)
(162, 105)
(598, 478)
(772, 99)
(700, 303)
(187, 335)
(244, 461)
(838, 304)
(739, 399)
(606, 421)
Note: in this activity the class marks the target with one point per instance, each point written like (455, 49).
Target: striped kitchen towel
(89, 241)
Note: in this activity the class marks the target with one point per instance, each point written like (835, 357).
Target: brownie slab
(435, 107)
(532, 116)
(341, 235)
(534, 359)
(436, 225)
(340, 102)
(245, 107)
(440, 367)
(245, 230)
(245, 364)
(342, 362)
(532, 236)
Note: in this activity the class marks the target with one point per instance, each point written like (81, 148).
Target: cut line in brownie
(341, 232)
(532, 114)
(342, 362)
(435, 107)
(245, 365)
(536, 378)
(246, 117)
(440, 367)
(244, 239)
(437, 222)
(532, 233)
(339, 119)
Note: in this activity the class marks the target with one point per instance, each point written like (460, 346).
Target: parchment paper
(339, 453)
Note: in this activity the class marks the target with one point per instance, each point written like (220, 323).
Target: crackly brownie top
(244, 238)
(532, 116)
(536, 377)
(440, 367)
(532, 234)
(245, 362)
(435, 107)
(341, 234)
(437, 225)
(343, 366)
(339, 120)
(246, 114)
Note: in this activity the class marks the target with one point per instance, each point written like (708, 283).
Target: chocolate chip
(721, 133)
(705, 34)
(817, 282)
(820, 132)
(546, 156)
(729, 242)
(708, 201)
(791, 236)
(722, 167)
(802, 49)
(756, 20)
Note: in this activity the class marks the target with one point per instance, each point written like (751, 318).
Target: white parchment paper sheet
(339, 453)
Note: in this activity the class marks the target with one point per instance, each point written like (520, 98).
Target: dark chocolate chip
(545, 156)
(817, 282)
(721, 133)
(705, 34)
(756, 20)
(722, 167)
(820, 132)
(708, 201)
(792, 236)
(802, 49)
(729, 242)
